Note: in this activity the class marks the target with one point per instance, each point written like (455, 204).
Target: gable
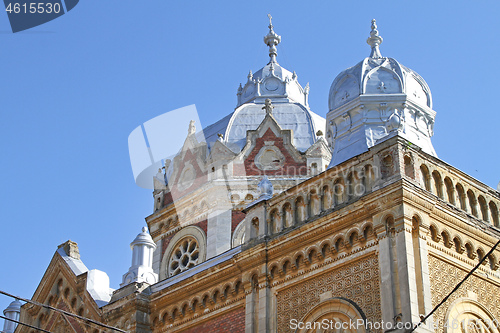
(61, 288)
(272, 155)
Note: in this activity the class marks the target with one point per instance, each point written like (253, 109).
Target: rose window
(185, 255)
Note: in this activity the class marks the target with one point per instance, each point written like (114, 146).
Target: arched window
(337, 312)
(314, 204)
(275, 226)
(426, 177)
(326, 199)
(255, 227)
(409, 170)
(338, 191)
(462, 198)
(494, 214)
(472, 203)
(438, 184)
(287, 215)
(300, 210)
(484, 208)
(450, 190)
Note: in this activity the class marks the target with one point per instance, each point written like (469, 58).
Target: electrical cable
(21, 323)
(63, 312)
(456, 287)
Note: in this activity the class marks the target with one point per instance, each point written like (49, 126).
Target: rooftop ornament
(272, 40)
(374, 41)
(268, 106)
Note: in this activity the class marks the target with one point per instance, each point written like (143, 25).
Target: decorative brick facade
(231, 322)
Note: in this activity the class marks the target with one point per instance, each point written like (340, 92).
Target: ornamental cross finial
(374, 41)
(272, 40)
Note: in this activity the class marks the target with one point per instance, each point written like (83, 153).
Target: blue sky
(73, 89)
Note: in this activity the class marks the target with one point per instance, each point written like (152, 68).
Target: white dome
(293, 116)
(378, 76)
(289, 99)
(275, 82)
(375, 100)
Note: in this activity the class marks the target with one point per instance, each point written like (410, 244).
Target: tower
(11, 312)
(142, 260)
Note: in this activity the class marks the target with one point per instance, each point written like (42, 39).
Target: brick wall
(200, 175)
(236, 217)
(290, 167)
(231, 322)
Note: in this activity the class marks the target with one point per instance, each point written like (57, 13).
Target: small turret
(142, 260)
(13, 312)
(377, 99)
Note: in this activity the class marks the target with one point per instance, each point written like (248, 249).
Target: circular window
(272, 84)
(186, 249)
(186, 254)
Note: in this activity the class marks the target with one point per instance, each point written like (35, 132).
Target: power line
(21, 323)
(63, 312)
(456, 287)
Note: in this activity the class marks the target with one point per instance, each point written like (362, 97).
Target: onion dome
(377, 99)
(290, 101)
(377, 75)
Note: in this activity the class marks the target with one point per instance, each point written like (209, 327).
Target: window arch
(484, 208)
(326, 199)
(300, 210)
(287, 215)
(337, 311)
(426, 177)
(409, 170)
(471, 316)
(338, 191)
(275, 222)
(314, 203)
(239, 234)
(472, 203)
(438, 184)
(494, 214)
(185, 250)
(462, 198)
(450, 190)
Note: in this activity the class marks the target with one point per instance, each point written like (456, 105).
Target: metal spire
(374, 41)
(272, 40)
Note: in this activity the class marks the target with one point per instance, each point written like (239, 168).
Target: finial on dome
(374, 41)
(272, 40)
